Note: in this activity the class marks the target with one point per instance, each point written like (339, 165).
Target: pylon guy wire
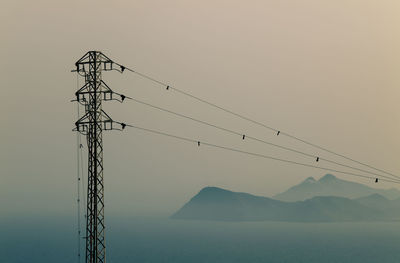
(245, 136)
(199, 143)
(168, 87)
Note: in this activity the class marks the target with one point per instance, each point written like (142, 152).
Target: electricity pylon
(92, 124)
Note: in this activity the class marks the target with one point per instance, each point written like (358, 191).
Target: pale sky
(325, 71)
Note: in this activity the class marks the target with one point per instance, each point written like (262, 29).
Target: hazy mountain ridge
(213, 203)
(329, 185)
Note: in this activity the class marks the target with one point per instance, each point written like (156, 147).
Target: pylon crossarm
(83, 64)
(82, 95)
(106, 123)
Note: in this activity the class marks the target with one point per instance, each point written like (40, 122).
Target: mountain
(213, 203)
(390, 208)
(329, 185)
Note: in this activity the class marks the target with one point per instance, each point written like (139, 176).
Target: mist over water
(167, 240)
(324, 71)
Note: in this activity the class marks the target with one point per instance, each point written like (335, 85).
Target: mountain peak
(212, 189)
(330, 185)
(211, 192)
(310, 180)
(327, 178)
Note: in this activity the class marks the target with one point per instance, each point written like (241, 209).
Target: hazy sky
(326, 71)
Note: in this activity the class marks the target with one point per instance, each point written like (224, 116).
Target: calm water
(164, 240)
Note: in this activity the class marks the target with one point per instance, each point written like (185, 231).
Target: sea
(158, 240)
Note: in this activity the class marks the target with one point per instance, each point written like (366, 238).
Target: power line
(168, 87)
(199, 143)
(245, 136)
(82, 177)
(78, 166)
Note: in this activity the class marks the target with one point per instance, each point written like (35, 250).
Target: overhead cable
(277, 131)
(201, 143)
(246, 136)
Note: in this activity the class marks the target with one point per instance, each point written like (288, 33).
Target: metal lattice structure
(92, 124)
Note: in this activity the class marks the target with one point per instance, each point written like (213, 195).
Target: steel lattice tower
(92, 124)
